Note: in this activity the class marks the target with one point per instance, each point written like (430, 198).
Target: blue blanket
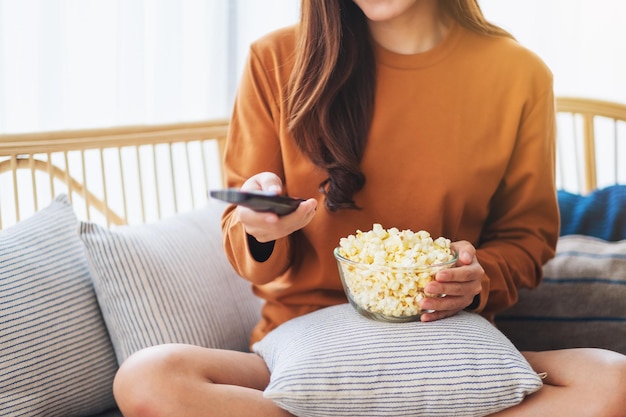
(601, 214)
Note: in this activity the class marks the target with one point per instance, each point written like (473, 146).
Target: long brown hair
(331, 91)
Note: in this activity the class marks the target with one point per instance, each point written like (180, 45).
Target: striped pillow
(335, 362)
(580, 302)
(56, 356)
(170, 282)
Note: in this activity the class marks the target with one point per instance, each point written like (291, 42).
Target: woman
(416, 114)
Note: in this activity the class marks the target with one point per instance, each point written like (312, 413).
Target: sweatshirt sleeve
(253, 147)
(522, 229)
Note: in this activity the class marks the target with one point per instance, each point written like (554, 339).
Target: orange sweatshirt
(461, 145)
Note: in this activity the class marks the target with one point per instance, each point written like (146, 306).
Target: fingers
(466, 251)
(264, 181)
(266, 227)
(460, 281)
(453, 288)
(440, 307)
(438, 315)
(459, 284)
(458, 294)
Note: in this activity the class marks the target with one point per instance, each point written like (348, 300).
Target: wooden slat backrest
(105, 168)
(592, 140)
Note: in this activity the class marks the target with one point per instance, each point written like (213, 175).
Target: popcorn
(390, 268)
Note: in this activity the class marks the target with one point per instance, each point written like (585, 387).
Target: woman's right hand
(266, 227)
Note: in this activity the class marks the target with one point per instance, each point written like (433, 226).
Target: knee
(619, 378)
(612, 371)
(140, 383)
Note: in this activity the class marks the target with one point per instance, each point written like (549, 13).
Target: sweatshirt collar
(423, 59)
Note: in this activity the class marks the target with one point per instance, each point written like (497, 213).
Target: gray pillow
(580, 302)
(335, 362)
(170, 282)
(56, 356)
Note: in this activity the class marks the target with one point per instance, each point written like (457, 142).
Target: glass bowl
(387, 293)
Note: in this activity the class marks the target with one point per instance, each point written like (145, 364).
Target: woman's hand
(459, 284)
(266, 227)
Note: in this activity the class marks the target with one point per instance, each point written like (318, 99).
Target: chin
(384, 10)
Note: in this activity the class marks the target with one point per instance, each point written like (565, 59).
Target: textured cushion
(600, 214)
(169, 282)
(56, 358)
(335, 362)
(580, 302)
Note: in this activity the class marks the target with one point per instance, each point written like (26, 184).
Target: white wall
(582, 41)
(72, 64)
(253, 24)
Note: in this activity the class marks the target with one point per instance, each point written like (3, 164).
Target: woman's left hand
(459, 284)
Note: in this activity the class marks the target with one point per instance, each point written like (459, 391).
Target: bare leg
(580, 383)
(181, 380)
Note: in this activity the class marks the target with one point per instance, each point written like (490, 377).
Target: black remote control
(258, 200)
